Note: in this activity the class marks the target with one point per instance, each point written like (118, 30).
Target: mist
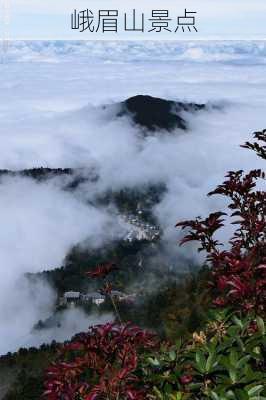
(53, 116)
(40, 222)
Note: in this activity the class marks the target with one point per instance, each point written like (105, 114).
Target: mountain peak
(156, 113)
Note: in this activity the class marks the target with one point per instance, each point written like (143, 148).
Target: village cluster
(72, 299)
(141, 230)
(138, 230)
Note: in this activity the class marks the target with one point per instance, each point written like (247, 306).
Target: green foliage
(72, 275)
(27, 368)
(177, 308)
(225, 361)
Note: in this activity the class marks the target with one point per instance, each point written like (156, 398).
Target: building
(94, 298)
(70, 298)
(75, 298)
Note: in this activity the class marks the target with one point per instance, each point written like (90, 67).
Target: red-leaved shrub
(100, 364)
(239, 274)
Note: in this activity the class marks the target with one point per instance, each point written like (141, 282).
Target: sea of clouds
(241, 52)
(51, 115)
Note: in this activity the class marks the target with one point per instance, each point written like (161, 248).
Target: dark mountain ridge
(155, 113)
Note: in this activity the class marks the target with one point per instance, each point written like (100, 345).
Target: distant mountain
(155, 113)
(38, 173)
(140, 252)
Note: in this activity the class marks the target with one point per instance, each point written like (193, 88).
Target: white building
(94, 297)
(72, 296)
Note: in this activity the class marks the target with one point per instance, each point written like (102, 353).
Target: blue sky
(225, 19)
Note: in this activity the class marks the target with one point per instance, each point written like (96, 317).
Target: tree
(239, 274)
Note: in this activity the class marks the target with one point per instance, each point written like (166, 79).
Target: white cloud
(46, 120)
(39, 225)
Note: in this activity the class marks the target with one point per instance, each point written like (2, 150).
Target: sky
(225, 19)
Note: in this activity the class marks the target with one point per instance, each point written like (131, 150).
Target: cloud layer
(52, 116)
